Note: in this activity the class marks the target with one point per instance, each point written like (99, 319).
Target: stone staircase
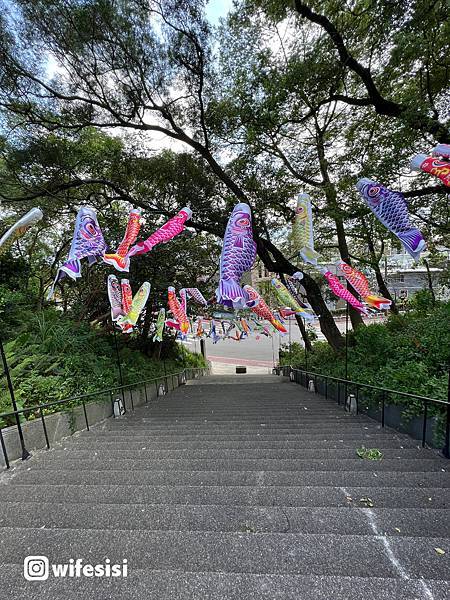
(232, 488)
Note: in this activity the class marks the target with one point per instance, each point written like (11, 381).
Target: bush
(408, 353)
(58, 358)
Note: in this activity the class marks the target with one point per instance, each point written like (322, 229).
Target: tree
(139, 67)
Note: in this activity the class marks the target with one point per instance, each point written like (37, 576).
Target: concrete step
(385, 443)
(294, 553)
(101, 462)
(217, 492)
(115, 474)
(254, 430)
(154, 451)
(304, 465)
(263, 434)
(244, 519)
(229, 495)
(181, 585)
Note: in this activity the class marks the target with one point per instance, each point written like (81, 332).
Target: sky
(215, 9)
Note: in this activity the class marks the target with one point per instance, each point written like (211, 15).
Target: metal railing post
(112, 404)
(424, 429)
(85, 415)
(44, 428)
(25, 453)
(5, 453)
(446, 450)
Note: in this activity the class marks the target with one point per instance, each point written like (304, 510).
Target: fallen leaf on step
(440, 551)
(397, 529)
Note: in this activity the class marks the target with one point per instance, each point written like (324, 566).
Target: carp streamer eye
(243, 222)
(374, 191)
(90, 228)
(346, 268)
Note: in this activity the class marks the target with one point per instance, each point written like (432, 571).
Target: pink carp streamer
(169, 230)
(257, 305)
(119, 259)
(342, 292)
(359, 283)
(177, 311)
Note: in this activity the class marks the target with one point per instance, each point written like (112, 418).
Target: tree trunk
(276, 262)
(331, 198)
(303, 331)
(300, 323)
(382, 287)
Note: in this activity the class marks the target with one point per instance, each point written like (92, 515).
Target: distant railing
(161, 385)
(304, 378)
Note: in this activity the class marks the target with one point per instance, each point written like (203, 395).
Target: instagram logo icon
(35, 568)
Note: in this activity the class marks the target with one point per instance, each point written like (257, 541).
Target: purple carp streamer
(195, 294)
(391, 210)
(87, 243)
(115, 297)
(238, 256)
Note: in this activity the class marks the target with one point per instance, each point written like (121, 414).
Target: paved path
(232, 488)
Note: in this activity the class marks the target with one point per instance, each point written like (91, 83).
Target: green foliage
(369, 453)
(58, 358)
(409, 353)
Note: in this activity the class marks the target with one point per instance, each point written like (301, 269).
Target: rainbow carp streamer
(290, 285)
(169, 230)
(87, 242)
(179, 313)
(286, 300)
(391, 210)
(238, 256)
(159, 327)
(119, 259)
(258, 306)
(19, 228)
(434, 166)
(126, 309)
(302, 230)
(341, 291)
(359, 283)
(137, 306)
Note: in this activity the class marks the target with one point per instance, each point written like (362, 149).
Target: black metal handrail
(385, 393)
(81, 399)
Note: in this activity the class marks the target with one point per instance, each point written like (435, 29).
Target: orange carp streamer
(119, 259)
